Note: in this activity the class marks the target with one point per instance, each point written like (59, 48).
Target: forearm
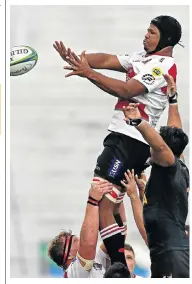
(103, 88)
(104, 61)
(97, 60)
(174, 118)
(89, 231)
(137, 208)
(112, 86)
(151, 136)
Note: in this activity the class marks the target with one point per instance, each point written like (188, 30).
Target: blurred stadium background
(58, 125)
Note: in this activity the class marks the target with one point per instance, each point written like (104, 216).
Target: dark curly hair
(117, 270)
(175, 138)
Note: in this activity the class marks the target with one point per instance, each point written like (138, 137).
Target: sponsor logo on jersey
(157, 72)
(114, 168)
(145, 61)
(148, 79)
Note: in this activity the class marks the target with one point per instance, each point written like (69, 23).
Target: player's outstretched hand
(131, 112)
(141, 183)
(62, 50)
(78, 65)
(130, 184)
(171, 85)
(99, 189)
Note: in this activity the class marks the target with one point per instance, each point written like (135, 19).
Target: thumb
(83, 54)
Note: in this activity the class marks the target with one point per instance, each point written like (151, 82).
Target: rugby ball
(22, 60)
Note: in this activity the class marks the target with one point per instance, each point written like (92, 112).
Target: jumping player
(124, 147)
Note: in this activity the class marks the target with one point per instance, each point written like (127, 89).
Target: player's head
(117, 270)
(129, 257)
(63, 248)
(175, 138)
(163, 31)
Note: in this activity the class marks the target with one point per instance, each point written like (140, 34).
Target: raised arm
(174, 118)
(160, 152)
(137, 207)
(104, 61)
(112, 86)
(90, 226)
(95, 60)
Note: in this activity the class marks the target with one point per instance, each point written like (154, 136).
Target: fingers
(83, 54)
(105, 184)
(170, 82)
(137, 179)
(71, 60)
(168, 78)
(106, 189)
(123, 183)
(56, 48)
(143, 176)
(62, 46)
(71, 74)
(70, 67)
(129, 176)
(76, 57)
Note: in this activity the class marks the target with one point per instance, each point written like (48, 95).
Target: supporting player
(166, 198)
(76, 256)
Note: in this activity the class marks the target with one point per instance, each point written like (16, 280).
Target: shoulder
(166, 170)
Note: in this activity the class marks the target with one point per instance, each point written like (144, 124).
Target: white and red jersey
(76, 270)
(149, 71)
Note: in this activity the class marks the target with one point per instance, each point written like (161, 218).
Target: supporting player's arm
(137, 207)
(95, 60)
(174, 118)
(90, 226)
(160, 152)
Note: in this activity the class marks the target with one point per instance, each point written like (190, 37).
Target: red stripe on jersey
(173, 72)
(141, 107)
(130, 73)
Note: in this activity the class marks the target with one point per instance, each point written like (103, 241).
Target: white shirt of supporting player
(149, 71)
(76, 270)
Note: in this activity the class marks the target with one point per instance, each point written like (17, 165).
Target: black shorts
(121, 152)
(171, 264)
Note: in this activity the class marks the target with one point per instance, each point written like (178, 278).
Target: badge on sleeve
(156, 71)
